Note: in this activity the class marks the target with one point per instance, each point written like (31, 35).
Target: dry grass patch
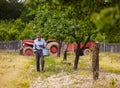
(110, 62)
(14, 71)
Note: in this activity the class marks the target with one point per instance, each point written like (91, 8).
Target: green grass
(53, 65)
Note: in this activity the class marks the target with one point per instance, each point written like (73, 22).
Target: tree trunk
(95, 62)
(65, 56)
(77, 55)
(59, 49)
(65, 53)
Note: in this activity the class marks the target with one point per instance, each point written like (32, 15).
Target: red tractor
(52, 46)
(27, 47)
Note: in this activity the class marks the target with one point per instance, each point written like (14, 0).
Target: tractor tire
(87, 52)
(53, 48)
(28, 51)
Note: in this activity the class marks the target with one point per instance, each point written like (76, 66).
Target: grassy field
(19, 71)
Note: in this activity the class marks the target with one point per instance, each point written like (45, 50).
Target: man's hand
(41, 46)
(34, 50)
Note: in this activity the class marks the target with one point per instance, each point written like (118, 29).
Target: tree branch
(87, 40)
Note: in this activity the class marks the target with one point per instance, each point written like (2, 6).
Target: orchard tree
(80, 28)
(50, 21)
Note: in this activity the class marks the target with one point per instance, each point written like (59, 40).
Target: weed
(112, 82)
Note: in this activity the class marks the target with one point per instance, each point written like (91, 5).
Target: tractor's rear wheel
(87, 52)
(53, 48)
(28, 51)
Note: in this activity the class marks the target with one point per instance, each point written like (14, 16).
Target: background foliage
(60, 19)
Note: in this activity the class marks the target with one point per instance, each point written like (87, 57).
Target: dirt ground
(64, 80)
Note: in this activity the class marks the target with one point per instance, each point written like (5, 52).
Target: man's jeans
(39, 58)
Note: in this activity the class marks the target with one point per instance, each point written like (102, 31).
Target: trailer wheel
(53, 48)
(87, 52)
(28, 51)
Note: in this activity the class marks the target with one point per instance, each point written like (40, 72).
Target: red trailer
(85, 51)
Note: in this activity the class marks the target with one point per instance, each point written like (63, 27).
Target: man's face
(38, 37)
